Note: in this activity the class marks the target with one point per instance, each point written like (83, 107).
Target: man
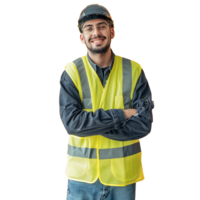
(105, 106)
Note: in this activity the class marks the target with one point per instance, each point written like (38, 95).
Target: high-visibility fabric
(115, 163)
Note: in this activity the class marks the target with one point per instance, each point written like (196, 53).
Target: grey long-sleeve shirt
(110, 123)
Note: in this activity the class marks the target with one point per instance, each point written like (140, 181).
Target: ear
(82, 38)
(112, 33)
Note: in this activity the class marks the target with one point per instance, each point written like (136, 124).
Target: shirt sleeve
(80, 122)
(139, 125)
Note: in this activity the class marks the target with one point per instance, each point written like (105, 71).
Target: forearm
(81, 123)
(136, 127)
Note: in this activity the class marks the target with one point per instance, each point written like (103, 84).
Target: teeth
(97, 40)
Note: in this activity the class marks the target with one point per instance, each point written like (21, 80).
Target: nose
(96, 31)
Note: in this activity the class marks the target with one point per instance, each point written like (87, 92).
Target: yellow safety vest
(115, 163)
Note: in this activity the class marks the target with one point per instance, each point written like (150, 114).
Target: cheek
(85, 38)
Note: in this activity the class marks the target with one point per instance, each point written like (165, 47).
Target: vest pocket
(76, 167)
(127, 168)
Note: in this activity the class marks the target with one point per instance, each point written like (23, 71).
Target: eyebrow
(97, 24)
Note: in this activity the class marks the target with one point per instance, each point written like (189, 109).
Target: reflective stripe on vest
(121, 152)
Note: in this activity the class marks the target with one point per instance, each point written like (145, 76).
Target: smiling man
(97, 36)
(106, 107)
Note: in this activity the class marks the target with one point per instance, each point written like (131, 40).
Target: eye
(102, 26)
(89, 29)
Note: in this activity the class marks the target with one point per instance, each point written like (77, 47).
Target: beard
(99, 50)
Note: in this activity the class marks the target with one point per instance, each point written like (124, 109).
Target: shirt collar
(94, 66)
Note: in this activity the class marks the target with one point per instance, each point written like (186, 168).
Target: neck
(102, 60)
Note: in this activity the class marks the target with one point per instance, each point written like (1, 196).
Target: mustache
(99, 37)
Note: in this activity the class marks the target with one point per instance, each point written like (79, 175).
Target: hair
(80, 26)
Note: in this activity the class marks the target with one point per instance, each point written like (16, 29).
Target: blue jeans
(97, 191)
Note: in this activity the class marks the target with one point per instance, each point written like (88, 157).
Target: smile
(99, 41)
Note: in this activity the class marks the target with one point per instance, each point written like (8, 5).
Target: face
(98, 41)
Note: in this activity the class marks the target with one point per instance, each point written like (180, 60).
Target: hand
(129, 112)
